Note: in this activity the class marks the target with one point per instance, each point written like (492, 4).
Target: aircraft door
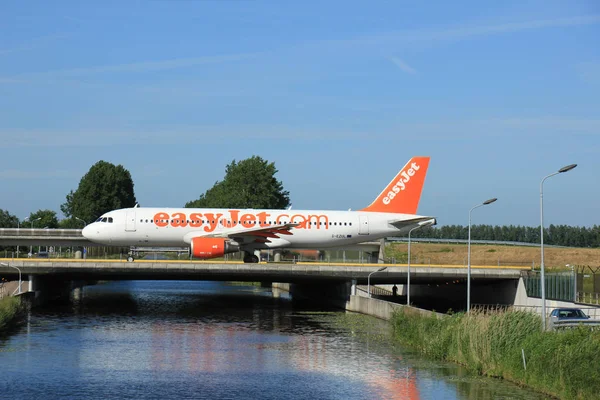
(363, 225)
(130, 221)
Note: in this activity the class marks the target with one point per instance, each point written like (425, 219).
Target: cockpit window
(104, 219)
(99, 219)
(110, 220)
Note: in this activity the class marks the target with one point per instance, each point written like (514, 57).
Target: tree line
(558, 235)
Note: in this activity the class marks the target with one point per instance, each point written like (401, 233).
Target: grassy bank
(561, 363)
(10, 308)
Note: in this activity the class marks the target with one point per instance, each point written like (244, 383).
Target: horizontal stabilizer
(423, 221)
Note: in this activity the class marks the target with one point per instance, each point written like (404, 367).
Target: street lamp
(369, 279)
(84, 223)
(420, 225)
(32, 221)
(18, 233)
(542, 277)
(485, 203)
(10, 266)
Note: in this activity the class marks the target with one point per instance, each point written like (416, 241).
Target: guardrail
(573, 324)
(465, 241)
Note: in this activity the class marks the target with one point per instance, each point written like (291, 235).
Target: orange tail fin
(404, 191)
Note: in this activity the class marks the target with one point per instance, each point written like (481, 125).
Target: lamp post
(10, 266)
(32, 221)
(18, 233)
(369, 279)
(84, 223)
(485, 203)
(542, 276)
(420, 225)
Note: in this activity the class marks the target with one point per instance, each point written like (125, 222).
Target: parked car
(568, 314)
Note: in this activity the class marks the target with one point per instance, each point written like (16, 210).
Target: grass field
(439, 253)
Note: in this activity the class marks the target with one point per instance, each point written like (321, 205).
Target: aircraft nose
(87, 232)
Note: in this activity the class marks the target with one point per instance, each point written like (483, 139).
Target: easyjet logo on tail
(403, 193)
(401, 184)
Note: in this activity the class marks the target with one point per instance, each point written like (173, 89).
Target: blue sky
(339, 94)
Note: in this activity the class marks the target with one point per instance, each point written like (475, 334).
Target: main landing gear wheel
(251, 259)
(130, 258)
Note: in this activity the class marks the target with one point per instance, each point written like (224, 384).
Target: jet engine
(212, 247)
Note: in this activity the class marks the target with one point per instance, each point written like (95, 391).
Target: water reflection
(213, 340)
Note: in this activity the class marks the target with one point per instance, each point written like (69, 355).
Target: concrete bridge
(238, 271)
(327, 282)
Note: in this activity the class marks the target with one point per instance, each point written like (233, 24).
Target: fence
(558, 285)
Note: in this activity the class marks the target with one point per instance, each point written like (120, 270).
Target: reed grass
(562, 363)
(10, 308)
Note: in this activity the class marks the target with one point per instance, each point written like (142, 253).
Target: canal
(217, 340)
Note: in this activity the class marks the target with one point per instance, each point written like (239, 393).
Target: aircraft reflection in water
(231, 349)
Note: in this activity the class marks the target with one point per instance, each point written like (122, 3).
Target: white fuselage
(170, 227)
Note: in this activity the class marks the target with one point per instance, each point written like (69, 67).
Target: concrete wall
(8, 288)
(377, 308)
(380, 308)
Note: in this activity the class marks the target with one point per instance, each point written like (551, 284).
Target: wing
(248, 235)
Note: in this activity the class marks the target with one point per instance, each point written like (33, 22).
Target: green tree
(250, 183)
(43, 219)
(70, 223)
(8, 220)
(104, 188)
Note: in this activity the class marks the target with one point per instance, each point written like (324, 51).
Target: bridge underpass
(435, 285)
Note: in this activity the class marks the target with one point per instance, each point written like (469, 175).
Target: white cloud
(456, 32)
(9, 174)
(138, 67)
(403, 65)
(443, 130)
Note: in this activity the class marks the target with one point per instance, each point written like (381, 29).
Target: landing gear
(250, 258)
(130, 255)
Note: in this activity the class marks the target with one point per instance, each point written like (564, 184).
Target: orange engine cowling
(211, 247)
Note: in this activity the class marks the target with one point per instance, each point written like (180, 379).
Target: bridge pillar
(381, 256)
(32, 283)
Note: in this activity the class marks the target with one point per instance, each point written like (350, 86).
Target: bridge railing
(375, 290)
(36, 232)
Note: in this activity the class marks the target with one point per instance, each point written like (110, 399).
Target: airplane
(211, 233)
